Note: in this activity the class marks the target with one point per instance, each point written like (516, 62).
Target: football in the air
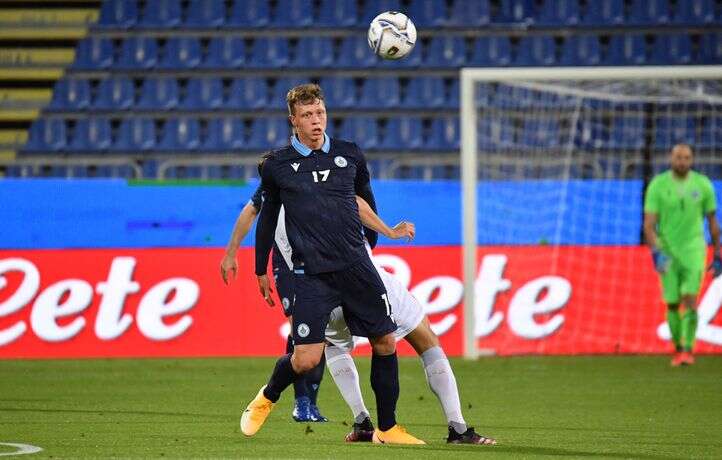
(392, 35)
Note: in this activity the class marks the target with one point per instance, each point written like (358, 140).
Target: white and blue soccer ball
(392, 35)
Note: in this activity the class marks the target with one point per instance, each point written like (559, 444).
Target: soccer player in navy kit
(317, 179)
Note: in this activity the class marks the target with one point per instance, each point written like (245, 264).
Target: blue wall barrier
(102, 213)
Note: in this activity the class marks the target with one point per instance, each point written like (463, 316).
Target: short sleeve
(257, 199)
(651, 198)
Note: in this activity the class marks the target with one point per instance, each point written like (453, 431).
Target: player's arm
(371, 220)
(266, 228)
(362, 184)
(650, 230)
(240, 230)
(651, 217)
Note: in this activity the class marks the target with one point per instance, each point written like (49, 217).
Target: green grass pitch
(537, 407)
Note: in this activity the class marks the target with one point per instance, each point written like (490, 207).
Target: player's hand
(716, 266)
(661, 261)
(403, 230)
(228, 266)
(265, 287)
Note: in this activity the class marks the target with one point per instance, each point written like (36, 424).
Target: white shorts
(406, 310)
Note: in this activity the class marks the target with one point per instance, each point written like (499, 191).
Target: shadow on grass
(552, 452)
(110, 412)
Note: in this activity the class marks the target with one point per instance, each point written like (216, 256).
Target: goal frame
(469, 76)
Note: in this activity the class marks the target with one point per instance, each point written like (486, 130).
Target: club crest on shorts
(340, 161)
(303, 330)
(286, 303)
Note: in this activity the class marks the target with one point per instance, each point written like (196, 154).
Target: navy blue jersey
(318, 192)
(277, 260)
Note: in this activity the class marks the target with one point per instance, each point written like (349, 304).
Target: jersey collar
(304, 150)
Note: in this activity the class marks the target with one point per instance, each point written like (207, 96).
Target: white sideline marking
(22, 449)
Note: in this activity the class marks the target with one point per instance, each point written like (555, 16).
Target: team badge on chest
(340, 162)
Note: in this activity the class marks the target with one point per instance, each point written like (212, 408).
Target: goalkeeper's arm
(714, 232)
(661, 261)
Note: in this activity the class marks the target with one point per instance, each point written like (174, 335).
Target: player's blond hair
(303, 94)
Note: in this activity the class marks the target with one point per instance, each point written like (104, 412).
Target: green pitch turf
(551, 407)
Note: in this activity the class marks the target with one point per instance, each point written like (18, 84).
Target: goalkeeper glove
(661, 261)
(716, 266)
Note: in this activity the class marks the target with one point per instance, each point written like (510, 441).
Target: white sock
(343, 370)
(443, 383)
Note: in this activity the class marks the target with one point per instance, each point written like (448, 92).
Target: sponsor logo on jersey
(303, 330)
(695, 195)
(340, 162)
(295, 166)
(286, 303)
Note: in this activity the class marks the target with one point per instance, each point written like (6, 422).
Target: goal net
(554, 166)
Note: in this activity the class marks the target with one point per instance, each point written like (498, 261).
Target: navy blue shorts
(358, 289)
(284, 287)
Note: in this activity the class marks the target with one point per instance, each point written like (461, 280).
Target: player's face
(309, 120)
(681, 160)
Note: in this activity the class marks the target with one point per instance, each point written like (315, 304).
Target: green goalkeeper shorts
(682, 278)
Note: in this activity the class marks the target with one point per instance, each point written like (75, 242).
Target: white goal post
(567, 78)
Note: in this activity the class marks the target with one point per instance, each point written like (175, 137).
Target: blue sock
(313, 379)
(385, 383)
(283, 375)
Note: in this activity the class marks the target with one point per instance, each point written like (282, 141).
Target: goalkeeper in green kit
(675, 206)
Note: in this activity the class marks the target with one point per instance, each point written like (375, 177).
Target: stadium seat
(521, 11)
(491, 51)
(445, 134)
(694, 12)
(446, 51)
(224, 134)
(138, 53)
(91, 134)
(94, 53)
(180, 134)
(161, 13)
(181, 53)
(280, 89)
(451, 88)
(362, 130)
(135, 134)
(581, 50)
(269, 53)
(313, 52)
(672, 49)
(159, 93)
(382, 92)
(250, 13)
(670, 130)
(224, 53)
(203, 93)
(536, 51)
(649, 13)
(469, 13)
(428, 13)
(403, 133)
(354, 53)
(337, 13)
(293, 13)
(627, 133)
(626, 50)
(118, 13)
(604, 13)
(71, 94)
(340, 92)
(269, 133)
(559, 13)
(495, 133)
(424, 92)
(248, 93)
(710, 134)
(115, 93)
(710, 49)
(205, 13)
(373, 8)
(47, 134)
(540, 133)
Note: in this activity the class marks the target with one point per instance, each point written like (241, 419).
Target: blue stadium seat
(469, 13)
(401, 134)
(446, 51)
(115, 93)
(694, 12)
(337, 13)
(118, 13)
(445, 134)
(91, 134)
(340, 92)
(181, 53)
(362, 130)
(293, 13)
(452, 93)
(672, 49)
(355, 53)
(269, 53)
(161, 13)
(559, 13)
(138, 53)
(536, 51)
(250, 13)
(203, 93)
(581, 50)
(225, 133)
(159, 93)
(491, 51)
(71, 94)
(248, 93)
(280, 89)
(224, 53)
(710, 50)
(674, 130)
(380, 93)
(604, 13)
(495, 133)
(649, 12)
(135, 134)
(627, 133)
(313, 52)
(710, 134)
(205, 13)
(521, 11)
(540, 133)
(269, 133)
(180, 134)
(428, 13)
(424, 92)
(626, 50)
(373, 8)
(94, 53)
(47, 134)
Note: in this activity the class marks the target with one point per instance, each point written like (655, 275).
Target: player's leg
(670, 294)
(690, 283)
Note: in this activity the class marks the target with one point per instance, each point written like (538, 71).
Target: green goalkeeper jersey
(681, 206)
